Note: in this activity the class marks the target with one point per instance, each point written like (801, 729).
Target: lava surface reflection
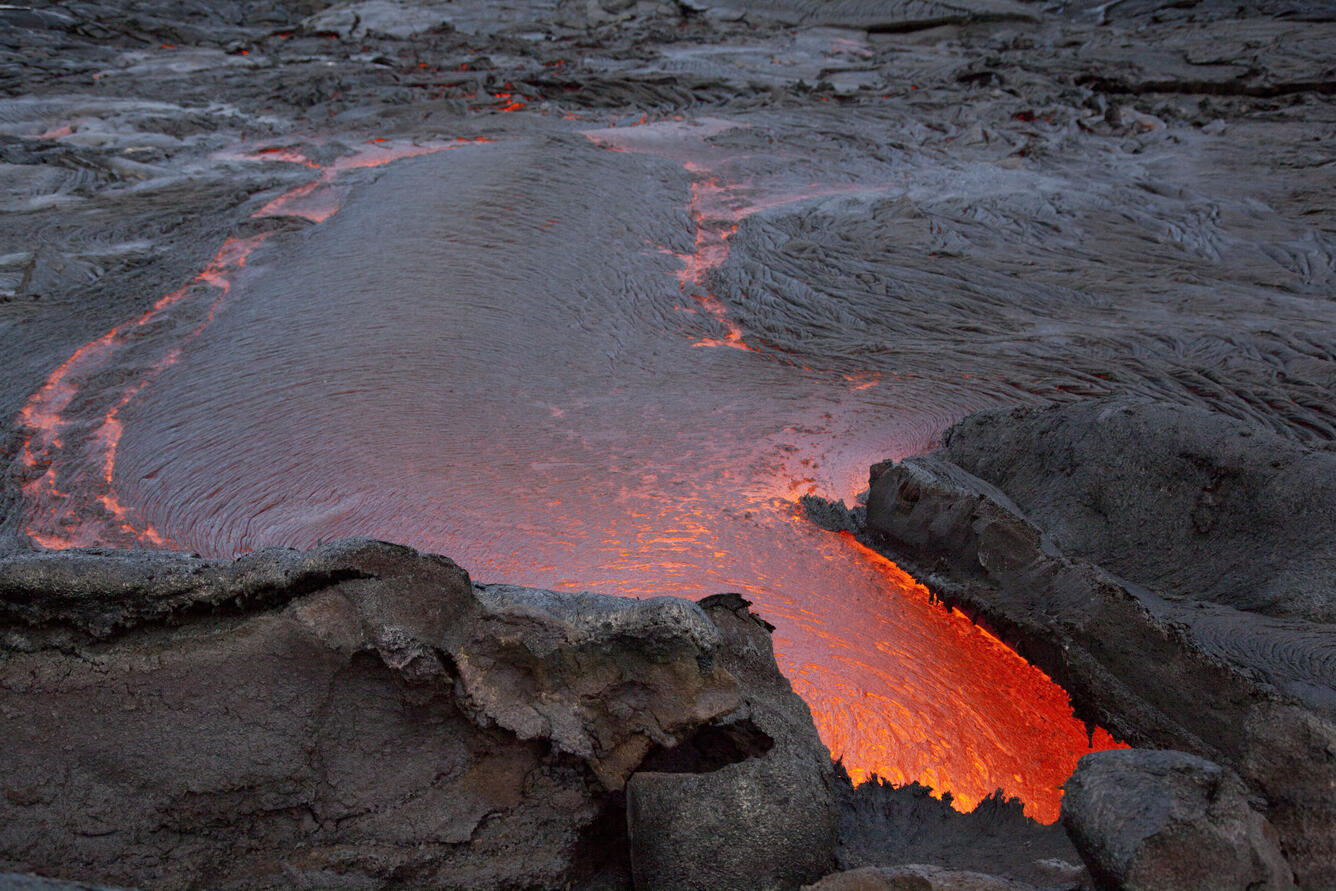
(485, 354)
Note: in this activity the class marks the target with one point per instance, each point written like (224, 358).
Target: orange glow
(712, 234)
(57, 132)
(316, 201)
(863, 381)
(280, 153)
(715, 220)
(88, 511)
(897, 685)
(1029, 751)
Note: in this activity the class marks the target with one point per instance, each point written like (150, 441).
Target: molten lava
(68, 466)
(540, 412)
(70, 469)
(936, 747)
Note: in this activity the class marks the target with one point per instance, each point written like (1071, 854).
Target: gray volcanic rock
(887, 826)
(1031, 518)
(871, 15)
(764, 822)
(603, 678)
(1169, 820)
(16, 882)
(360, 715)
(914, 877)
(1192, 505)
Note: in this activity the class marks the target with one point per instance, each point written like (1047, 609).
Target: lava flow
(69, 465)
(70, 469)
(969, 662)
(518, 388)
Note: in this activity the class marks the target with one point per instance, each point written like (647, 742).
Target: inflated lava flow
(61, 457)
(520, 388)
(67, 465)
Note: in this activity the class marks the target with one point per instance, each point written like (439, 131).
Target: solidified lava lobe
(563, 439)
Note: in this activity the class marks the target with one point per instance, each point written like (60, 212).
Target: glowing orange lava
(1029, 745)
(898, 685)
(69, 471)
(857, 714)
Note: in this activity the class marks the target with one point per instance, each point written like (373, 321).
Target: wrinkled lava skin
(658, 287)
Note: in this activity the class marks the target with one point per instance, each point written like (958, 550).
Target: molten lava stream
(903, 688)
(998, 723)
(576, 448)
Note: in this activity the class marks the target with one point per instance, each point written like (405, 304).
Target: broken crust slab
(359, 710)
(867, 15)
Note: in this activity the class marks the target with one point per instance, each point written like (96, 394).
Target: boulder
(1190, 504)
(769, 821)
(915, 877)
(1169, 820)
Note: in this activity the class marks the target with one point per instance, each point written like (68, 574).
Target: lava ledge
(362, 715)
(1174, 569)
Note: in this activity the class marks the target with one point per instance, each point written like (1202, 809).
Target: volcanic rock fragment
(1168, 820)
(915, 877)
(764, 822)
(889, 826)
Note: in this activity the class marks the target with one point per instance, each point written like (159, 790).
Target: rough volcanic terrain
(619, 296)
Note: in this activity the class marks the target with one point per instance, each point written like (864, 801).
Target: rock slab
(763, 822)
(1059, 527)
(355, 716)
(915, 877)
